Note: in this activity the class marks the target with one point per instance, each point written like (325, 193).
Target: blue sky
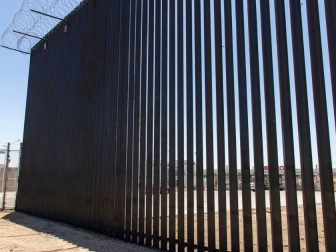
(14, 76)
(276, 79)
(13, 81)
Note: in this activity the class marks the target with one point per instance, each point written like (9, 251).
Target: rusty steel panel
(146, 122)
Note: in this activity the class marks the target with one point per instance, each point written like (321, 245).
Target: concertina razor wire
(28, 26)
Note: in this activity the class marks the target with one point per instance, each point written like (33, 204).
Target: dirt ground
(284, 229)
(21, 232)
(254, 226)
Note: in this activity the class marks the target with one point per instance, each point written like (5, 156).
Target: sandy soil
(284, 229)
(21, 232)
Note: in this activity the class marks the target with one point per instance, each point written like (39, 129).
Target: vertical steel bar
(220, 127)
(143, 104)
(209, 126)
(105, 130)
(90, 173)
(117, 135)
(180, 125)
(330, 12)
(172, 131)
(190, 127)
(199, 125)
(303, 127)
(157, 129)
(97, 25)
(287, 128)
(18, 175)
(106, 176)
(111, 172)
(322, 126)
(149, 186)
(103, 179)
(234, 214)
(257, 128)
(115, 118)
(84, 186)
(130, 124)
(137, 83)
(272, 150)
(164, 116)
(123, 79)
(244, 134)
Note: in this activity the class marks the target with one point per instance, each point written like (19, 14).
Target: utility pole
(4, 181)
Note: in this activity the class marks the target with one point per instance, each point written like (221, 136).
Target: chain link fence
(9, 172)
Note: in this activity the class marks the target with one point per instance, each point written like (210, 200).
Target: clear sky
(13, 81)
(14, 76)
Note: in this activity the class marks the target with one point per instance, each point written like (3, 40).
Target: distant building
(239, 177)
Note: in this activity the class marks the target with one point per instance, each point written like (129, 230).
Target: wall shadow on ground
(78, 237)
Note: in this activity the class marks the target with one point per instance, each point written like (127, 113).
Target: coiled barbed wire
(28, 22)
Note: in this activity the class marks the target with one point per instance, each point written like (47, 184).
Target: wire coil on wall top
(33, 21)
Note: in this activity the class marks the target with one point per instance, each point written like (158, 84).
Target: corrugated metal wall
(134, 87)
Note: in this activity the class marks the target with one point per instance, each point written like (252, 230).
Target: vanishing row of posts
(169, 55)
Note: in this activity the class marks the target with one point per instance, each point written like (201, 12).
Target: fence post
(18, 175)
(4, 182)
